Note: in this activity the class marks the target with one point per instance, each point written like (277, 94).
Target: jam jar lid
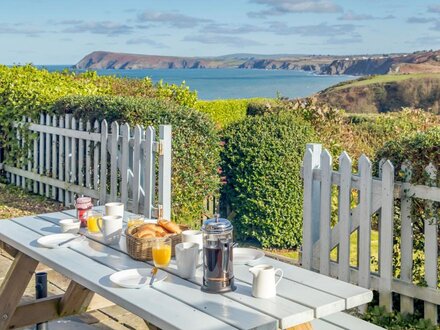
(217, 225)
(83, 202)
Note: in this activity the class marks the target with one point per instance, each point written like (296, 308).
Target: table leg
(8, 249)
(304, 326)
(14, 285)
(76, 299)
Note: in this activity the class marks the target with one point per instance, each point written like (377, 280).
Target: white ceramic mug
(187, 257)
(264, 284)
(69, 226)
(111, 228)
(194, 236)
(114, 209)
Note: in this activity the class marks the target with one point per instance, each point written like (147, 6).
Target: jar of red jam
(83, 205)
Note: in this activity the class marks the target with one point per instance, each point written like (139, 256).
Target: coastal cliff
(108, 60)
(426, 61)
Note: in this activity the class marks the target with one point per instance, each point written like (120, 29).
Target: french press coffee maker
(218, 274)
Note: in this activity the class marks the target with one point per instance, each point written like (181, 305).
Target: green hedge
(195, 143)
(261, 161)
(419, 149)
(225, 112)
(27, 91)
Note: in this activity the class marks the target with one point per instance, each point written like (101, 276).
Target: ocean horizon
(212, 84)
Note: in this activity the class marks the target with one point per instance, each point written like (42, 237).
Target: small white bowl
(69, 226)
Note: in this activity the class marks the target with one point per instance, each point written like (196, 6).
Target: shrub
(355, 133)
(224, 112)
(262, 107)
(195, 143)
(396, 321)
(420, 149)
(261, 161)
(27, 91)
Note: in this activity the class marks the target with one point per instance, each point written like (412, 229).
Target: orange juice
(92, 223)
(162, 255)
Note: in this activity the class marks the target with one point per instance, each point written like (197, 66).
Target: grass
(293, 254)
(386, 78)
(15, 202)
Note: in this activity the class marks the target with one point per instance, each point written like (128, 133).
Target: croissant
(170, 226)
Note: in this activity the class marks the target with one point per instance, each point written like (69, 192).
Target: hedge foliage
(195, 143)
(225, 112)
(261, 161)
(28, 91)
(420, 149)
(355, 133)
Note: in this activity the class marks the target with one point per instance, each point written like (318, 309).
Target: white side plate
(244, 256)
(136, 278)
(52, 241)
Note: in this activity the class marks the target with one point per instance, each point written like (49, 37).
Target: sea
(212, 84)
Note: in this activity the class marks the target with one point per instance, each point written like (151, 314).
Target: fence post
(149, 175)
(311, 209)
(103, 164)
(114, 161)
(165, 171)
(386, 237)
(406, 247)
(136, 167)
(431, 249)
(364, 234)
(344, 217)
(326, 203)
(125, 151)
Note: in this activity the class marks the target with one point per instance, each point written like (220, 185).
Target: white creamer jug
(264, 284)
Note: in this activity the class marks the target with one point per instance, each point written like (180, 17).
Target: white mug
(194, 236)
(111, 228)
(264, 284)
(187, 257)
(114, 209)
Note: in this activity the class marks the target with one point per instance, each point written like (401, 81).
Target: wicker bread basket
(141, 248)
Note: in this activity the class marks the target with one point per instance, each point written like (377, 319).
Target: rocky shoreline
(322, 65)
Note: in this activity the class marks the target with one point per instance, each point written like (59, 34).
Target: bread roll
(170, 226)
(145, 234)
(157, 230)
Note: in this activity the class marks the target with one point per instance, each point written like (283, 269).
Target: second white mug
(114, 208)
(111, 228)
(194, 236)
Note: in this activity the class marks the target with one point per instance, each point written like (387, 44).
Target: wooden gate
(359, 197)
(108, 163)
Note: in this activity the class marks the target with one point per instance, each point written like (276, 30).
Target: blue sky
(62, 32)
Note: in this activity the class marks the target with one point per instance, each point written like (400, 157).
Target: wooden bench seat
(342, 321)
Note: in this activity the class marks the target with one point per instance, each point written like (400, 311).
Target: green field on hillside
(387, 78)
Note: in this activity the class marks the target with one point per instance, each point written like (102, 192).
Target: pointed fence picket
(70, 158)
(360, 197)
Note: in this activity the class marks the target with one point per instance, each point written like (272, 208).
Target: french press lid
(217, 225)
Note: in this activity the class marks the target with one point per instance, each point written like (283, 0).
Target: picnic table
(302, 296)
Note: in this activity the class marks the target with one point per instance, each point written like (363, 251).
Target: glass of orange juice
(135, 220)
(162, 252)
(92, 221)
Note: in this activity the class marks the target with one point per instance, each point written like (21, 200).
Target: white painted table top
(176, 303)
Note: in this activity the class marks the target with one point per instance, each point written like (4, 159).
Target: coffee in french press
(218, 274)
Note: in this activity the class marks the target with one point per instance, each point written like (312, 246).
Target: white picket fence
(108, 163)
(375, 196)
